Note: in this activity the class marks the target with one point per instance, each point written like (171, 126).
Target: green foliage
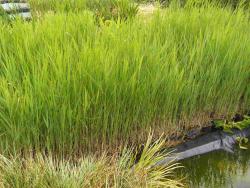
(102, 9)
(68, 85)
(3, 15)
(112, 9)
(230, 3)
(242, 141)
(58, 6)
(228, 125)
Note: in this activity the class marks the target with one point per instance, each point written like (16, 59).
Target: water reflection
(219, 169)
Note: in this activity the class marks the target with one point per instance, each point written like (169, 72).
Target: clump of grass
(116, 172)
(230, 3)
(69, 86)
(102, 9)
(3, 14)
(43, 6)
(113, 9)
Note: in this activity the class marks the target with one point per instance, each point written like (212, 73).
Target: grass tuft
(93, 172)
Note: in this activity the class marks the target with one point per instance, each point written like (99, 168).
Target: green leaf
(245, 140)
(238, 139)
(243, 147)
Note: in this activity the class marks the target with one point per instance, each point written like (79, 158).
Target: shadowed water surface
(219, 170)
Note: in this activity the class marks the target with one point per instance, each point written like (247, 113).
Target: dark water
(219, 170)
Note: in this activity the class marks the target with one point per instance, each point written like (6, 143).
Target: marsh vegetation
(92, 76)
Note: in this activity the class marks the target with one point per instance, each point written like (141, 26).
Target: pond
(219, 170)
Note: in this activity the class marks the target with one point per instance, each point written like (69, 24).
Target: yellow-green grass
(69, 85)
(105, 171)
(103, 9)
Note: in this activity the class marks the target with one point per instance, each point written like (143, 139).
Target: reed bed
(69, 85)
(102, 9)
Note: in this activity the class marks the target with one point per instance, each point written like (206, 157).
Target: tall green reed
(70, 86)
(103, 9)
